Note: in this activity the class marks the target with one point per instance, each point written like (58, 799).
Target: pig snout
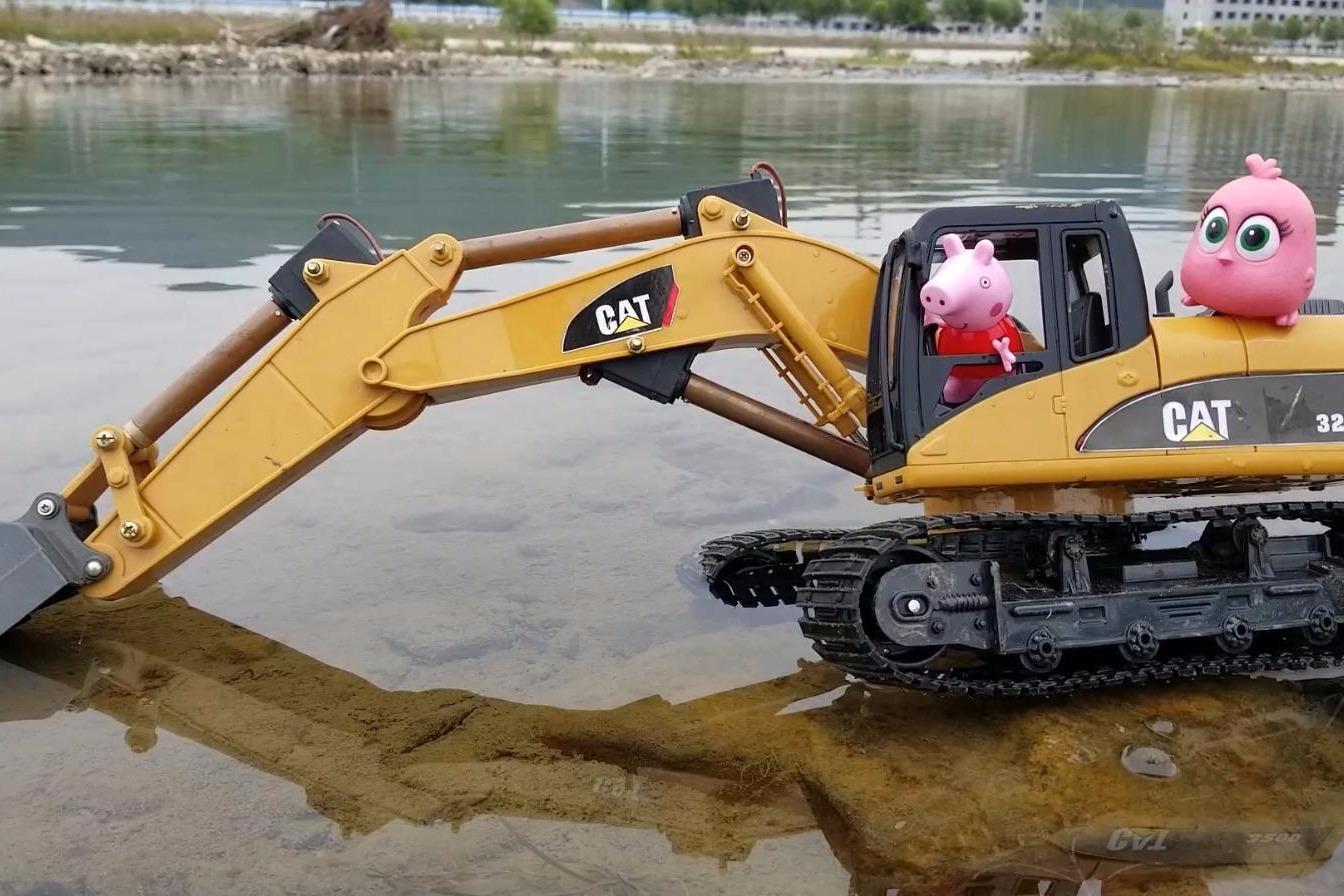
(939, 300)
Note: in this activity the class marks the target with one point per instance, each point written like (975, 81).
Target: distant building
(1153, 6)
(1218, 14)
(1037, 17)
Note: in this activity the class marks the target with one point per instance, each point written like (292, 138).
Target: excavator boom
(362, 353)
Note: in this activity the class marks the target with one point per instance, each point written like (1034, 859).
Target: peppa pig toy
(968, 298)
(1254, 251)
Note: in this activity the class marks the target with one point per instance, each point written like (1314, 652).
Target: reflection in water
(231, 167)
(912, 794)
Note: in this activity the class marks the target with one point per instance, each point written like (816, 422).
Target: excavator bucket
(41, 559)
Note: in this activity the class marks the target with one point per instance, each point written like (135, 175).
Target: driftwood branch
(366, 26)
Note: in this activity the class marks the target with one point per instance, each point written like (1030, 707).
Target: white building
(1217, 14)
(1035, 21)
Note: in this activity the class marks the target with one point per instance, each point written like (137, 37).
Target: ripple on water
(207, 286)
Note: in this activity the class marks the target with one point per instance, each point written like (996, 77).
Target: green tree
(1236, 37)
(962, 10)
(528, 19)
(737, 8)
(815, 11)
(911, 12)
(628, 6)
(1133, 19)
(1332, 32)
(1292, 30)
(1264, 29)
(881, 13)
(1075, 36)
(1005, 14)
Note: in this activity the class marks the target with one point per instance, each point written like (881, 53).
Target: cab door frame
(922, 406)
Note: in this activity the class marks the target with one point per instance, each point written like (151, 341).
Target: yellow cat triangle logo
(629, 323)
(1203, 432)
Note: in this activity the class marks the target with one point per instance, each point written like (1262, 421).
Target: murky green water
(457, 658)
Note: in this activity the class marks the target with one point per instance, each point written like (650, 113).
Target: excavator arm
(362, 353)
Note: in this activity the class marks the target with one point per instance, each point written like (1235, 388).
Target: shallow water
(458, 658)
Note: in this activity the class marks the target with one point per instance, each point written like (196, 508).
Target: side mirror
(1161, 297)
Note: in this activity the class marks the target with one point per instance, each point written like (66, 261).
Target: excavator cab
(1078, 296)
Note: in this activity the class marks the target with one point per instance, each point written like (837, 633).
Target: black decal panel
(1273, 409)
(642, 304)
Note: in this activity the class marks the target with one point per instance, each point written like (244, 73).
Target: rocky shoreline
(78, 63)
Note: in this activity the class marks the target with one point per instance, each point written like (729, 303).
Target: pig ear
(952, 244)
(984, 251)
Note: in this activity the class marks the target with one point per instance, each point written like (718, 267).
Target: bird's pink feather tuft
(1259, 166)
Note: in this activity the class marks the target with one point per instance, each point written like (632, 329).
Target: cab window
(1087, 296)
(1018, 251)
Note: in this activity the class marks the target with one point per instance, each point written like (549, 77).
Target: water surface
(458, 658)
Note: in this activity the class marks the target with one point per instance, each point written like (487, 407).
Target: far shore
(38, 59)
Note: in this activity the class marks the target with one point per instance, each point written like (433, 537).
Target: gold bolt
(315, 270)
(635, 344)
(130, 530)
(105, 438)
(741, 219)
(441, 252)
(713, 207)
(744, 256)
(116, 477)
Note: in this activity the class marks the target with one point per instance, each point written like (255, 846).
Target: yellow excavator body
(1021, 449)
(1030, 480)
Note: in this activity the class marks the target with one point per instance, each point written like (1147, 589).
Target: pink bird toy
(1254, 251)
(968, 298)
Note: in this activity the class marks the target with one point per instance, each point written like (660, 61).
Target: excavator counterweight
(1027, 459)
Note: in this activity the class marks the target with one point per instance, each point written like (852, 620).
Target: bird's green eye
(1258, 238)
(1213, 231)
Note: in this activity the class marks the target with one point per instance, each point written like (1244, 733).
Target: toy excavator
(1031, 573)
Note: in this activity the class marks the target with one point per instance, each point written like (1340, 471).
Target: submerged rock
(1163, 727)
(1148, 762)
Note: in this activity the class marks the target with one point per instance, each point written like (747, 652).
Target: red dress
(978, 342)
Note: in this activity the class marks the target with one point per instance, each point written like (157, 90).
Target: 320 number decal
(1330, 422)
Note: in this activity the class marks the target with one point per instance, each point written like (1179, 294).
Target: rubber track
(718, 556)
(833, 586)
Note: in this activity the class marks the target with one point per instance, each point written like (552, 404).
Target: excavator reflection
(914, 795)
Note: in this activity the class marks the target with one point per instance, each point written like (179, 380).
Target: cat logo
(1126, 840)
(643, 303)
(1200, 421)
(625, 316)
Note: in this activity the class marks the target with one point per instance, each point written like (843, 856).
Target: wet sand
(910, 793)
